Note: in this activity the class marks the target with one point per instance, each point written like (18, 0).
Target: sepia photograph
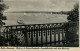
(39, 23)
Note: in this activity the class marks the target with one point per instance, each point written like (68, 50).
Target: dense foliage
(73, 26)
(2, 17)
(2, 8)
(74, 14)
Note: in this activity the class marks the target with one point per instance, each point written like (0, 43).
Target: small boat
(24, 13)
(19, 21)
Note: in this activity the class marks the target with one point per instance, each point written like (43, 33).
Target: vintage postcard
(39, 25)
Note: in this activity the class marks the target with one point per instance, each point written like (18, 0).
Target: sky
(40, 5)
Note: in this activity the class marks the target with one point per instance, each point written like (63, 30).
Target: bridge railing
(37, 34)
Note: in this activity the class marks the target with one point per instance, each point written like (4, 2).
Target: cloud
(20, 0)
(44, 5)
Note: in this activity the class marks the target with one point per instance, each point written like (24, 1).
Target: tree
(74, 14)
(2, 17)
(72, 25)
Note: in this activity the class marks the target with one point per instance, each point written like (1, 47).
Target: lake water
(34, 18)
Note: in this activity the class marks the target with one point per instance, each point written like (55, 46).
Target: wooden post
(46, 36)
(50, 37)
(58, 36)
(31, 38)
(55, 36)
(36, 37)
(41, 38)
